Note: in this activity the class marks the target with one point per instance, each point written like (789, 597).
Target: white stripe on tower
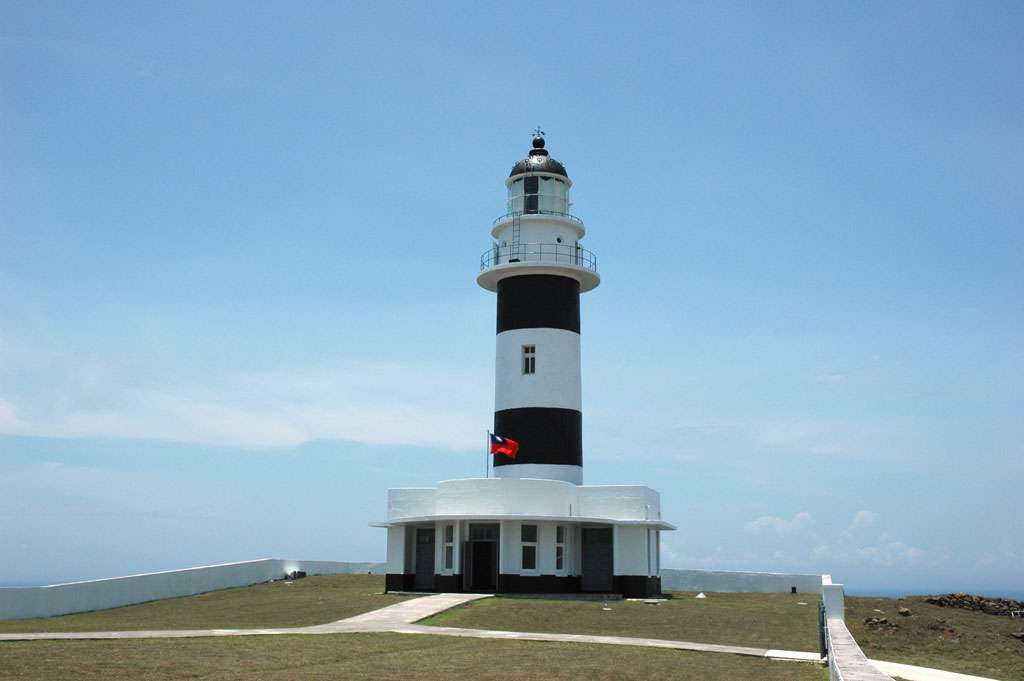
(556, 381)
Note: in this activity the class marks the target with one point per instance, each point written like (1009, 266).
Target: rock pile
(882, 624)
(992, 606)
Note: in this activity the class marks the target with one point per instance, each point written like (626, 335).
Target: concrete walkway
(389, 619)
(401, 618)
(912, 673)
(790, 655)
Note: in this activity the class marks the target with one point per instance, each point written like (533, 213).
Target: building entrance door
(424, 558)
(597, 560)
(480, 553)
(483, 565)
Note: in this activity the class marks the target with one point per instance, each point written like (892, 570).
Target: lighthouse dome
(538, 162)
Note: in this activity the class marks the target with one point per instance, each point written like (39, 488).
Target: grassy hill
(301, 603)
(932, 636)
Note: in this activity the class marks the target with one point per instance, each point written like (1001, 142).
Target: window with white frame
(560, 548)
(449, 546)
(529, 541)
(529, 359)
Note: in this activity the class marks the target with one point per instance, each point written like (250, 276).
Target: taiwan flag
(502, 445)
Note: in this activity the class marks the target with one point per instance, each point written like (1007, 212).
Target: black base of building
(538, 584)
(448, 583)
(637, 586)
(629, 586)
(399, 582)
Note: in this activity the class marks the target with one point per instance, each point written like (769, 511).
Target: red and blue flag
(503, 445)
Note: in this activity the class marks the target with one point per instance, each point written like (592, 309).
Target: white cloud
(380, 404)
(1006, 554)
(864, 519)
(821, 438)
(781, 433)
(800, 520)
(9, 422)
(881, 552)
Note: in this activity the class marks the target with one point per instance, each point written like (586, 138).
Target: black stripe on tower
(538, 301)
(545, 435)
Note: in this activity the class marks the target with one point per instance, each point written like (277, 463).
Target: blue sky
(238, 247)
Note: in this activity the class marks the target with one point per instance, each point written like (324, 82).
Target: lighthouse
(533, 527)
(538, 269)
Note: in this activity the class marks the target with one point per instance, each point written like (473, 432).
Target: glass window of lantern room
(515, 196)
(530, 186)
(559, 189)
(547, 202)
(546, 195)
(529, 359)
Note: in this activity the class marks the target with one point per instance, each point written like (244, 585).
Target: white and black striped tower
(538, 269)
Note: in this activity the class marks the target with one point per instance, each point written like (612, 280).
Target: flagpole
(487, 455)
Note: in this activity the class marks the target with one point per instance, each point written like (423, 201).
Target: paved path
(911, 673)
(791, 655)
(391, 618)
(402, 617)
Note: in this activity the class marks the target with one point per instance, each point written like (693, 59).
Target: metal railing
(520, 213)
(544, 253)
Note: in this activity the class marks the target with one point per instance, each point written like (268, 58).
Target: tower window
(529, 359)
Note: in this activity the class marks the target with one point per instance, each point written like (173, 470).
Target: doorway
(480, 556)
(598, 559)
(424, 558)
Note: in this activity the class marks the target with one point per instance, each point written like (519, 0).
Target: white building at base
(534, 527)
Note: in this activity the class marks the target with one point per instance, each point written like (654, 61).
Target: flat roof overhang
(573, 519)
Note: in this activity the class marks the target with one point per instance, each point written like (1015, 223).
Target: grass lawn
(304, 602)
(378, 657)
(945, 638)
(750, 619)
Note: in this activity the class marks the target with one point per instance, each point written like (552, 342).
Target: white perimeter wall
(721, 580)
(62, 599)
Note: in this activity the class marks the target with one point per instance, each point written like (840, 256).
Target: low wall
(846, 661)
(23, 602)
(738, 582)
